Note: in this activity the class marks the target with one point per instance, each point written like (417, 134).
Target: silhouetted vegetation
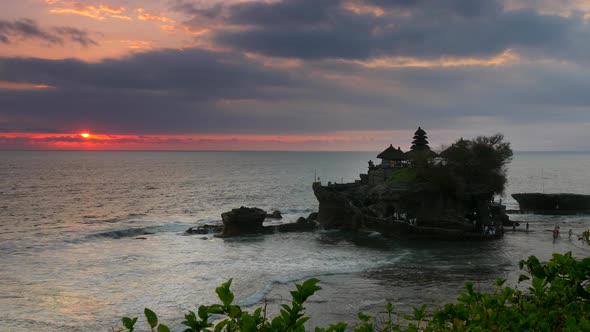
(556, 298)
(467, 167)
(480, 164)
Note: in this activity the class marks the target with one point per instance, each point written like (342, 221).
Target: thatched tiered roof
(420, 146)
(392, 153)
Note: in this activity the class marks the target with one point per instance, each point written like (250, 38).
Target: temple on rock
(393, 159)
(420, 193)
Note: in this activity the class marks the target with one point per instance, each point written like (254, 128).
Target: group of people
(556, 233)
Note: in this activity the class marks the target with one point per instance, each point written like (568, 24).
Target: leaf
(224, 294)
(500, 282)
(305, 290)
(151, 317)
(458, 322)
(362, 317)
(390, 307)
(129, 323)
(163, 328)
(523, 277)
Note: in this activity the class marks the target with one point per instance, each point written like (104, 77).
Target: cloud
(98, 12)
(198, 91)
(310, 67)
(134, 93)
(28, 29)
(144, 16)
(367, 29)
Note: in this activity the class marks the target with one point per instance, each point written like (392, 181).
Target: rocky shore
(408, 211)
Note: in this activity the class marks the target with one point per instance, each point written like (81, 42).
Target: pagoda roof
(392, 153)
(420, 131)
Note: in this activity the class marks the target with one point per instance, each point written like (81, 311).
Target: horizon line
(174, 150)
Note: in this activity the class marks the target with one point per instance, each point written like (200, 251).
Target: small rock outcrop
(242, 221)
(301, 225)
(205, 229)
(246, 220)
(276, 214)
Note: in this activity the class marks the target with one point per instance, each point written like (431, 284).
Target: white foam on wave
(261, 294)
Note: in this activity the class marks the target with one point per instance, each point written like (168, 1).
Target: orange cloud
(363, 9)
(138, 44)
(143, 16)
(506, 57)
(5, 85)
(112, 10)
(99, 12)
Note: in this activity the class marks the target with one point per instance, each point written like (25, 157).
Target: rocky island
(420, 193)
(556, 204)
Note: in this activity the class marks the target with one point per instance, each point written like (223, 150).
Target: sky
(292, 74)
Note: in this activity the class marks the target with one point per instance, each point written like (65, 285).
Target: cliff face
(404, 210)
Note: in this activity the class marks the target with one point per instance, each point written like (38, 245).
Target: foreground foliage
(556, 298)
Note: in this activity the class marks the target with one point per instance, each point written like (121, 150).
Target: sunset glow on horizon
(337, 141)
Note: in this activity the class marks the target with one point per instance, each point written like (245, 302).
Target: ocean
(70, 257)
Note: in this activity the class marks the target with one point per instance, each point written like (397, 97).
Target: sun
(85, 135)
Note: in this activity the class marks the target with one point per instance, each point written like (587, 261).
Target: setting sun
(85, 135)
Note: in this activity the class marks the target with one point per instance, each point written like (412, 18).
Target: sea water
(88, 237)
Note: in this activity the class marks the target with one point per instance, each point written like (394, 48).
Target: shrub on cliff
(557, 299)
(479, 164)
(467, 167)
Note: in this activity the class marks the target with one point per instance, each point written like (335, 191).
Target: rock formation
(553, 203)
(242, 221)
(448, 196)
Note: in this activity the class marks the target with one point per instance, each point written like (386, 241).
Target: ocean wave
(122, 233)
(137, 231)
(261, 294)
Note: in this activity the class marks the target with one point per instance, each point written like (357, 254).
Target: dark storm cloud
(427, 29)
(197, 91)
(160, 91)
(449, 7)
(206, 75)
(27, 29)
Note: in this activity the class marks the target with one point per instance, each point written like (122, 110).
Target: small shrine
(392, 157)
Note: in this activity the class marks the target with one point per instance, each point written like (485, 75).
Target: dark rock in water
(242, 221)
(141, 238)
(301, 225)
(553, 203)
(250, 221)
(205, 229)
(313, 216)
(276, 214)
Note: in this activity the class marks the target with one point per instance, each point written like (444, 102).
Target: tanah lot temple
(393, 199)
(393, 159)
